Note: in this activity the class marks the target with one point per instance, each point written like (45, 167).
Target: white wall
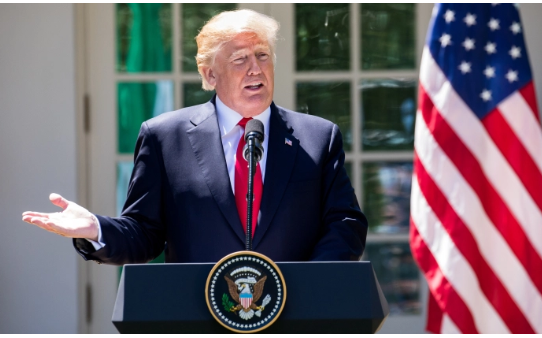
(38, 270)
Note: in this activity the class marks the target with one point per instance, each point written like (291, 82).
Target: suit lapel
(280, 162)
(207, 146)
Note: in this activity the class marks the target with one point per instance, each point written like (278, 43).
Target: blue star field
(480, 48)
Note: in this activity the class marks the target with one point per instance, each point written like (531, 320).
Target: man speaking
(187, 192)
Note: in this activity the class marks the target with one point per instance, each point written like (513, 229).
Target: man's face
(243, 74)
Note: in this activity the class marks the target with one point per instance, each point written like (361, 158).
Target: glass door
(354, 64)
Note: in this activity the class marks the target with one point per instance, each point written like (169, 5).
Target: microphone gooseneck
(252, 152)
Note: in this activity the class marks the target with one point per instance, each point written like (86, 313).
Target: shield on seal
(246, 300)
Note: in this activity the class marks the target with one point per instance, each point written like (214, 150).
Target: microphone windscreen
(254, 126)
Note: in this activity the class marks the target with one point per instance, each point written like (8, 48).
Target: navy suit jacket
(180, 197)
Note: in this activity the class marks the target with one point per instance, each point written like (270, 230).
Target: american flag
(476, 207)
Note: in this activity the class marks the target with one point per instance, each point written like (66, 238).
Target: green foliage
(227, 303)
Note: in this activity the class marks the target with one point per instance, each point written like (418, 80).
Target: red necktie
(241, 184)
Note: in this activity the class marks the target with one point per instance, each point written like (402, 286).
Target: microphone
(254, 137)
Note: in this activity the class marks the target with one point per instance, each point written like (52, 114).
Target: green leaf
(226, 302)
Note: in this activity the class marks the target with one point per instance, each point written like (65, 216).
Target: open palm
(74, 221)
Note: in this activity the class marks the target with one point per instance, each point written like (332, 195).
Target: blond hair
(223, 28)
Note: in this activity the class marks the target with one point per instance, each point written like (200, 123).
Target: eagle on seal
(247, 296)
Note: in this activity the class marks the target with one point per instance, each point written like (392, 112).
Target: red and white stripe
(245, 302)
(476, 209)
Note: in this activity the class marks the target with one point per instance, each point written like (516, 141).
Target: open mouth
(254, 86)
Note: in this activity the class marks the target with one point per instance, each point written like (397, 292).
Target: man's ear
(209, 76)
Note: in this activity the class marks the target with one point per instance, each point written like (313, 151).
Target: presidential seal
(245, 292)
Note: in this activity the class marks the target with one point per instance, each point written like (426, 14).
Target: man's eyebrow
(241, 52)
(237, 53)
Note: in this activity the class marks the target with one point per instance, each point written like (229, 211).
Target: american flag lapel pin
(288, 142)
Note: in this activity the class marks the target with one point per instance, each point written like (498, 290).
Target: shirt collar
(229, 118)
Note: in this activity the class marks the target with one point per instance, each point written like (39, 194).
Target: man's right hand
(74, 221)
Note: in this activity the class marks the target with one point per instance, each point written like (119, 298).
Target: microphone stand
(250, 195)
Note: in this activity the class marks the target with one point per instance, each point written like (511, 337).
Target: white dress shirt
(231, 134)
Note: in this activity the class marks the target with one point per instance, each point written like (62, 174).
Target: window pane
(193, 17)
(193, 94)
(330, 100)
(388, 110)
(138, 102)
(388, 36)
(397, 275)
(143, 37)
(386, 196)
(323, 36)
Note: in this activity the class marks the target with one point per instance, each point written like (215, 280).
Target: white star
(515, 52)
(515, 28)
(445, 40)
(486, 95)
(470, 19)
(491, 47)
(449, 16)
(511, 76)
(464, 67)
(468, 44)
(489, 72)
(493, 24)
